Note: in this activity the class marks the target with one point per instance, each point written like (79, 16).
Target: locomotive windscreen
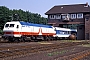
(9, 25)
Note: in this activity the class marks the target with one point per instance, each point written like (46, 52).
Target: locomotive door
(18, 30)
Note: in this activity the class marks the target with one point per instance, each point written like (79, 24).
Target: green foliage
(6, 15)
(1, 32)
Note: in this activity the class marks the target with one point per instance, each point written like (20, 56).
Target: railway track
(20, 51)
(75, 56)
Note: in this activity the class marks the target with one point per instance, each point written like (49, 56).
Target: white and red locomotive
(22, 31)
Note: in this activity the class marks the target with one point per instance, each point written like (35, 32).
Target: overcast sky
(38, 6)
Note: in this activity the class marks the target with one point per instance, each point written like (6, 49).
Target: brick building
(75, 16)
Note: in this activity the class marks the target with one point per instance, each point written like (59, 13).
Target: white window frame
(52, 16)
(80, 15)
(58, 16)
(73, 16)
(65, 16)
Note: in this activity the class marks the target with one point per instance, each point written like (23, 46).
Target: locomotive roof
(65, 29)
(37, 25)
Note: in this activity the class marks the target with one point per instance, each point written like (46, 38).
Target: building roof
(75, 8)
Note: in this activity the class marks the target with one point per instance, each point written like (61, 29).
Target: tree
(7, 15)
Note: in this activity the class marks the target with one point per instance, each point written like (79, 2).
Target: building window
(80, 15)
(52, 16)
(73, 16)
(80, 28)
(65, 16)
(58, 16)
(87, 19)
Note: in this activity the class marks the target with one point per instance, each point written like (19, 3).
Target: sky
(38, 6)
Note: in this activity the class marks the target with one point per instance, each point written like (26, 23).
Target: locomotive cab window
(11, 25)
(7, 25)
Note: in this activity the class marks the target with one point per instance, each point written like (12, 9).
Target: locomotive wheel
(16, 40)
(21, 39)
(10, 39)
(47, 38)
